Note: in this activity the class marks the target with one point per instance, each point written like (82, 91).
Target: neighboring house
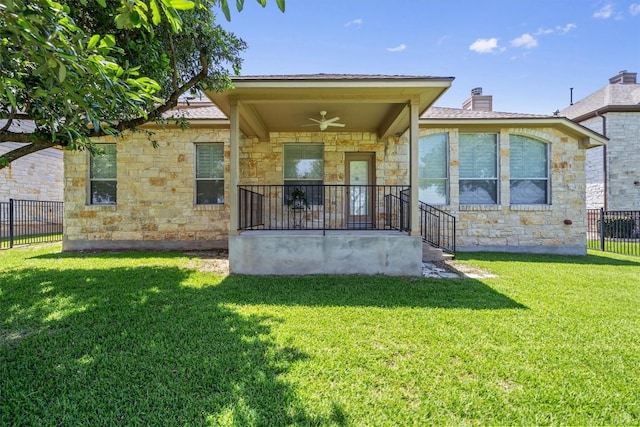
(356, 150)
(37, 176)
(613, 171)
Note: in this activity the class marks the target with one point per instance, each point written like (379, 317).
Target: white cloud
(543, 31)
(605, 13)
(398, 48)
(485, 45)
(634, 9)
(559, 29)
(526, 41)
(566, 28)
(354, 23)
(442, 40)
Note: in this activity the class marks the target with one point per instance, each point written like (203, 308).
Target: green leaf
(224, 5)
(122, 20)
(134, 17)
(280, 4)
(12, 98)
(62, 72)
(93, 41)
(240, 4)
(102, 3)
(155, 12)
(181, 4)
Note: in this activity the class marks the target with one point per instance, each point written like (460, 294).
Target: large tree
(88, 68)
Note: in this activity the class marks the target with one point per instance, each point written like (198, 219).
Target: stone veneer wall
(156, 196)
(37, 176)
(261, 162)
(623, 161)
(156, 191)
(595, 167)
(524, 228)
(156, 206)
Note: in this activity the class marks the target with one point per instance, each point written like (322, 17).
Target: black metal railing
(438, 228)
(30, 221)
(321, 207)
(614, 231)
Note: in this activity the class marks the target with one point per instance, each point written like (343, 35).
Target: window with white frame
(210, 174)
(529, 168)
(103, 183)
(433, 169)
(478, 167)
(304, 169)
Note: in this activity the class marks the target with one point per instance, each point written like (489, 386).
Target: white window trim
(91, 180)
(195, 174)
(447, 178)
(548, 170)
(496, 179)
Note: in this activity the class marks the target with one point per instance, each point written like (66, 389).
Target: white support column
(234, 168)
(413, 167)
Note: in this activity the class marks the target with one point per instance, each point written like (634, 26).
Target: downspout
(604, 159)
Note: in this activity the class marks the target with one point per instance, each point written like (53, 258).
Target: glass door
(360, 178)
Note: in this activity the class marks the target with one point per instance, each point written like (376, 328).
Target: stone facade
(623, 161)
(38, 176)
(558, 227)
(613, 175)
(156, 203)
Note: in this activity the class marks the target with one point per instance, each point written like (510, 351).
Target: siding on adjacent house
(623, 160)
(37, 176)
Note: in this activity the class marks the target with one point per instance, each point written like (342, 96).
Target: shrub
(621, 227)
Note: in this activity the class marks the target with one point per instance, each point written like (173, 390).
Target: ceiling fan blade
(315, 120)
(339, 125)
(335, 119)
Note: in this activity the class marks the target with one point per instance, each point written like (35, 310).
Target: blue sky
(526, 53)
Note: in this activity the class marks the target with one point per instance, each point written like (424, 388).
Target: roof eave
(587, 137)
(608, 109)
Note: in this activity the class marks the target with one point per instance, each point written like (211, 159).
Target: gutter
(604, 157)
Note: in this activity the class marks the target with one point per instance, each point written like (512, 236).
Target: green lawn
(149, 339)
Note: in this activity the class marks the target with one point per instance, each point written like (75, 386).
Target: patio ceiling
(364, 103)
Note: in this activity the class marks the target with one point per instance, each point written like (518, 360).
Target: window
(478, 165)
(103, 176)
(304, 169)
(529, 171)
(433, 169)
(210, 174)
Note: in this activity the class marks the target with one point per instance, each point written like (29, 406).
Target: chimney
(478, 101)
(623, 78)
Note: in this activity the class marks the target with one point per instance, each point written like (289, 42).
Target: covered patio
(353, 222)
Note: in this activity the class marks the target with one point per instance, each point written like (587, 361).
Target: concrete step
(431, 254)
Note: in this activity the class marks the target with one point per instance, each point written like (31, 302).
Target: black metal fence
(614, 231)
(24, 222)
(322, 207)
(438, 228)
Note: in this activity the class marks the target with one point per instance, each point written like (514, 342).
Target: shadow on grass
(133, 346)
(364, 291)
(590, 259)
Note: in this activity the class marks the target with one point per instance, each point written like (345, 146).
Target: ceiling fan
(324, 123)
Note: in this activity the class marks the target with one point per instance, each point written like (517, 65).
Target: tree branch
(171, 102)
(24, 150)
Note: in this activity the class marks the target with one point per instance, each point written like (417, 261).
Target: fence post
(602, 229)
(11, 220)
